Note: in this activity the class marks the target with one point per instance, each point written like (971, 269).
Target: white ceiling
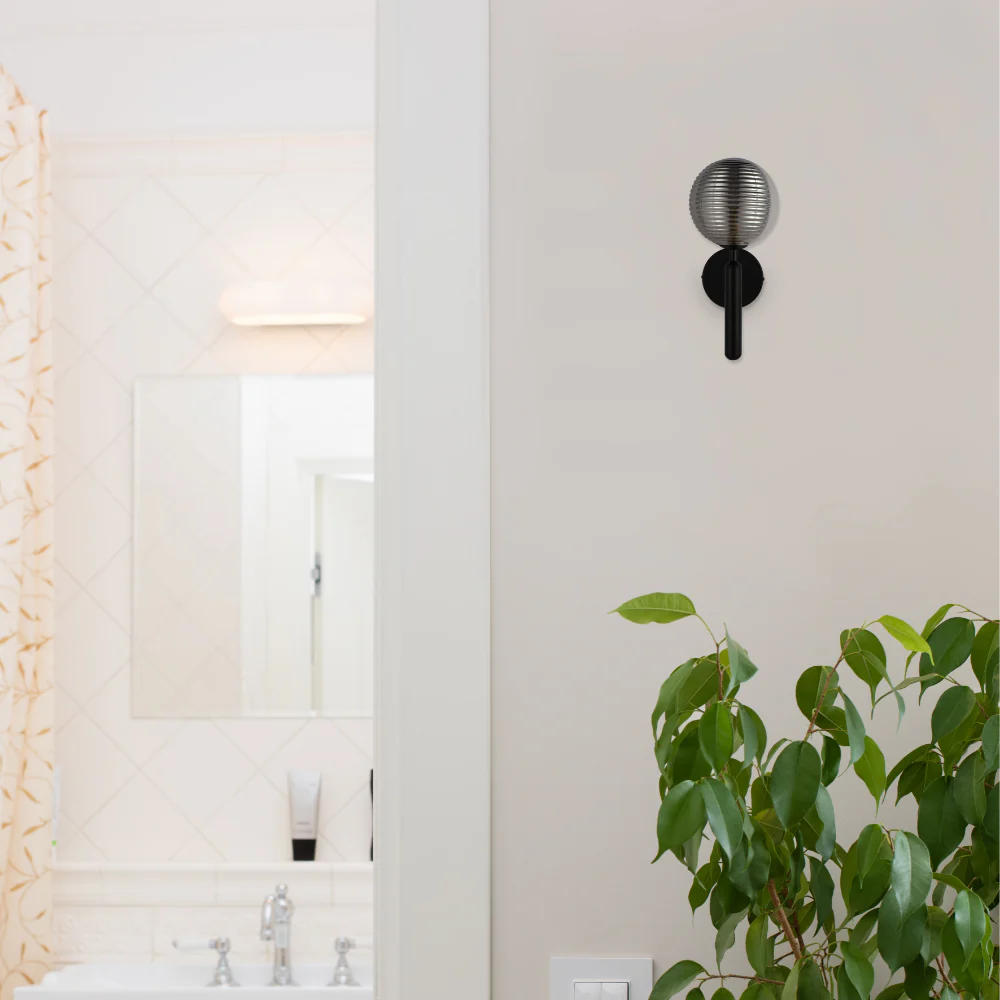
(139, 68)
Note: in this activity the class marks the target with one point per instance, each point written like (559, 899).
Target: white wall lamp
(302, 303)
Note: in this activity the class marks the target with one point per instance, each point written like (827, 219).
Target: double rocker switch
(600, 991)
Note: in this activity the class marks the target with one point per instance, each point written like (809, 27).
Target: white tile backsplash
(148, 235)
(125, 912)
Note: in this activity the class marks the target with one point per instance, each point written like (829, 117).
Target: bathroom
(205, 460)
(371, 367)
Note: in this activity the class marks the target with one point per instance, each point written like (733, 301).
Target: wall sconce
(317, 303)
(730, 203)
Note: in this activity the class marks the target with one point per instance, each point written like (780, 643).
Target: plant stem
(783, 920)
(829, 678)
(733, 975)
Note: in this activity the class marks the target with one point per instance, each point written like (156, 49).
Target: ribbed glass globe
(730, 202)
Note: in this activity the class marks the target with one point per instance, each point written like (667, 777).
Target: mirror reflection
(253, 565)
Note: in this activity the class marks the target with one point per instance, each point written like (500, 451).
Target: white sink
(177, 982)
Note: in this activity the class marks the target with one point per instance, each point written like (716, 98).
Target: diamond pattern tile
(199, 770)
(91, 647)
(139, 739)
(92, 409)
(269, 230)
(92, 292)
(91, 527)
(139, 824)
(149, 233)
(140, 264)
(147, 340)
(91, 768)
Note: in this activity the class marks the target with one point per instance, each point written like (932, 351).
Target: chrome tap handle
(223, 973)
(267, 919)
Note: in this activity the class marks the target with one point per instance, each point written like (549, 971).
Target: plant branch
(829, 678)
(783, 920)
(734, 975)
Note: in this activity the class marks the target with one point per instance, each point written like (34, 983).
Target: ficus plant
(818, 913)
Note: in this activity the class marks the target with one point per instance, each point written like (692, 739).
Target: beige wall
(847, 466)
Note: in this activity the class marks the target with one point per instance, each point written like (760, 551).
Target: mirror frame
(432, 697)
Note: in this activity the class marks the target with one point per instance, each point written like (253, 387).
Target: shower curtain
(26, 562)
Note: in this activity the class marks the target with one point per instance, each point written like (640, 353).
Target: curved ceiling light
(300, 303)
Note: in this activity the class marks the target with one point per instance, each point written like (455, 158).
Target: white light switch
(600, 978)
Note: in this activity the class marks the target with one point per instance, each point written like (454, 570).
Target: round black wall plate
(753, 276)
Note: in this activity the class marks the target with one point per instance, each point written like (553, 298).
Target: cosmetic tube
(303, 802)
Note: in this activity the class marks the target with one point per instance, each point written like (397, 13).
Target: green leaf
(687, 762)
(695, 994)
(893, 992)
(795, 782)
(830, 756)
(912, 757)
(970, 789)
(681, 816)
(911, 873)
(661, 608)
(754, 734)
(919, 980)
(726, 936)
(939, 823)
(666, 703)
(986, 641)
(951, 710)
(970, 922)
(811, 985)
(935, 619)
(724, 815)
(858, 969)
(826, 842)
(951, 645)
(822, 888)
(722, 994)
(790, 990)
(741, 668)
(861, 930)
(871, 770)
(930, 947)
(899, 940)
(991, 743)
(775, 747)
(855, 729)
(904, 634)
(845, 988)
(865, 655)
(715, 735)
(947, 993)
(760, 946)
(991, 821)
(870, 842)
(815, 688)
(676, 978)
(704, 881)
(950, 880)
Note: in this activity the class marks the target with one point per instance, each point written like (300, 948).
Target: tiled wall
(133, 913)
(147, 234)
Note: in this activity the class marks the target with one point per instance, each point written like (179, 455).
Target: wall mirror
(253, 557)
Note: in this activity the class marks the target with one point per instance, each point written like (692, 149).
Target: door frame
(432, 728)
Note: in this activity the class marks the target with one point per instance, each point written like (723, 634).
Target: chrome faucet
(276, 925)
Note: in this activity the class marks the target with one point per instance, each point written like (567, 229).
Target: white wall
(137, 67)
(847, 466)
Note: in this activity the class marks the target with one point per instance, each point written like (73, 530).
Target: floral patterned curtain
(26, 562)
